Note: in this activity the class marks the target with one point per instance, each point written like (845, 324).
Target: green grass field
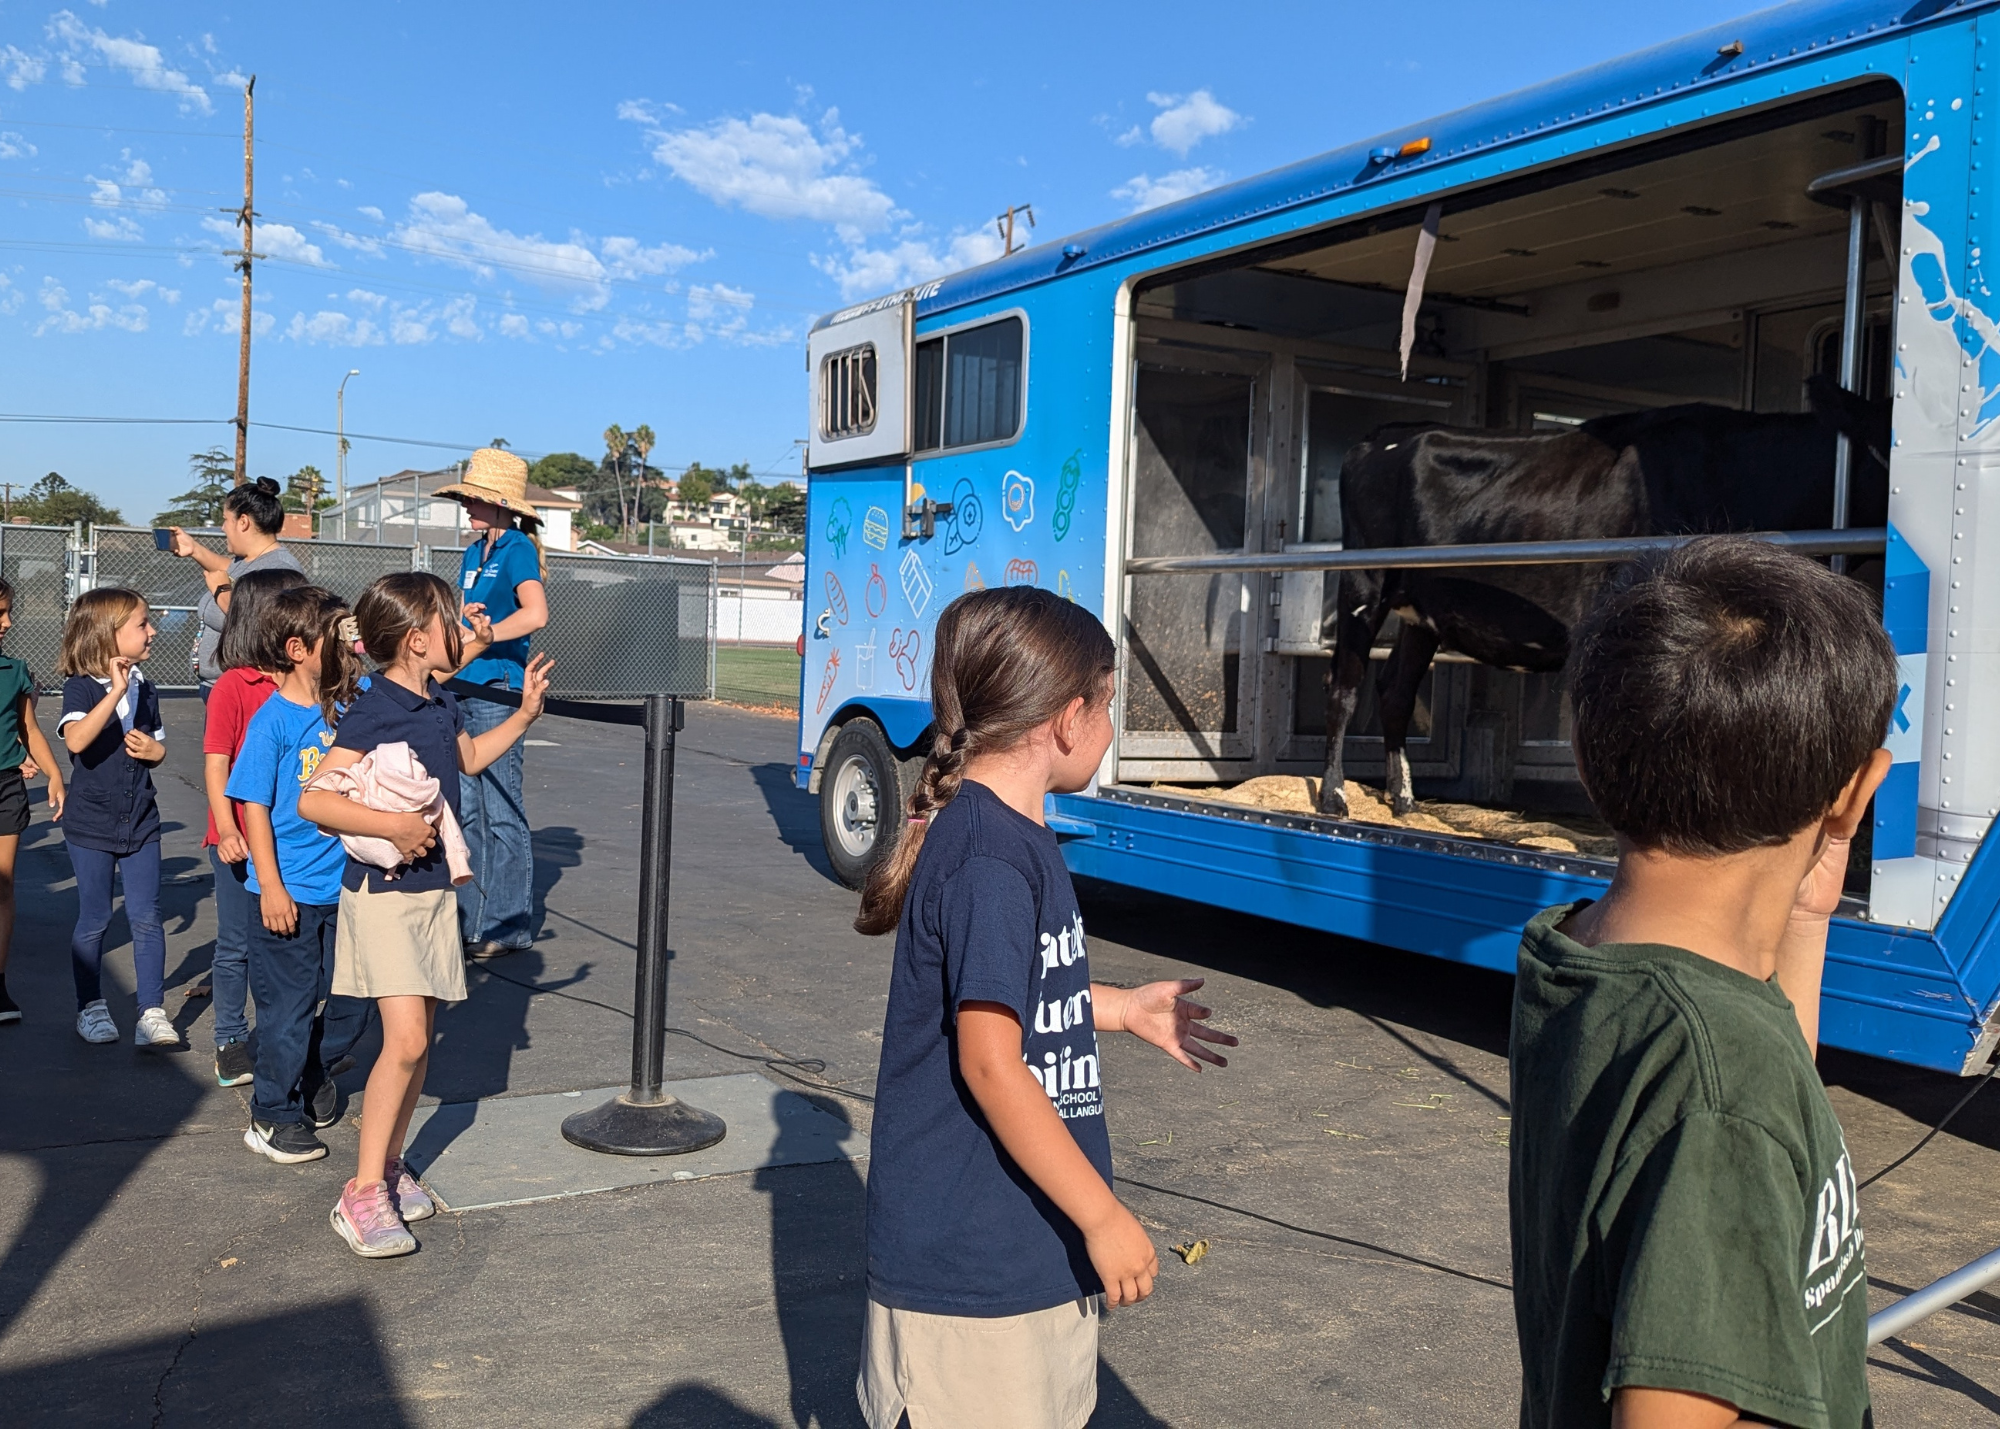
(757, 675)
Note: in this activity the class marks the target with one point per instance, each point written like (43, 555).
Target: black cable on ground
(790, 1067)
(1976, 1086)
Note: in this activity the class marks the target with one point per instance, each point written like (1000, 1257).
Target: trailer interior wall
(1694, 269)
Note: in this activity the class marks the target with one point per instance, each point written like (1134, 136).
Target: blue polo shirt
(386, 713)
(281, 752)
(491, 579)
(111, 804)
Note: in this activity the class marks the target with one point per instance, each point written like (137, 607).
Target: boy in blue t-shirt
(295, 875)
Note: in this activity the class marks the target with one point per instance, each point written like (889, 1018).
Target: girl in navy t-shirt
(992, 1228)
(397, 931)
(111, 726)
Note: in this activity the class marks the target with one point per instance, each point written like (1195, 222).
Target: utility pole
(1005, 223)
(340, 446)
(246, 219)
(7, 501)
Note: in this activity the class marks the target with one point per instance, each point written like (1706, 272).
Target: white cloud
(148, 68)
(138, 288)
(121, 229)
(96, 316)
(444, 227)
(513, 325)
(333, 330)
(657, 334)
(1134, 135)
(626, 258)
(558, 329)
(359, 242)
(1183, 123)
(21, 68)
(776, 166)
(274, 240)
(104, 193)
(865, 271)
(225, 315)
(458, 320)
(137, 171)
(369, 210)
(717, 299)
(13, 146)
(10, 296)
(1143, 191)
(231, 78)
(362, 295)
(137, 174)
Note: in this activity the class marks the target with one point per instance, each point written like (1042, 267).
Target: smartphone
(163, 539)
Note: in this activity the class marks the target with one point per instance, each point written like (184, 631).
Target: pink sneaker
(412, 1201)
(368, 1222)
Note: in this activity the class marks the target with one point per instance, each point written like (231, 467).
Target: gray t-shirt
(212, 615)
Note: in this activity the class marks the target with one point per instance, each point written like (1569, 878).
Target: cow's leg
(1360, 615)
(1398, 701)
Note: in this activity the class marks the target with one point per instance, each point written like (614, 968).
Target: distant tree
(785, 510)
(305, 490)
(214, 473)
(563, 470)
(52, 501)
(614, 455)
(698, 485)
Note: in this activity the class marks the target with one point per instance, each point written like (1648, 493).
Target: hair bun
(267, 485)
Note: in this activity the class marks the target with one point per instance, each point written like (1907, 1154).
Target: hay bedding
(1299, 794)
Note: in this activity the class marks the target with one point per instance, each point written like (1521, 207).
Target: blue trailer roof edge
(1770, 38)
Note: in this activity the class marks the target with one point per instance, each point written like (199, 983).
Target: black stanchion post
(645, 1121)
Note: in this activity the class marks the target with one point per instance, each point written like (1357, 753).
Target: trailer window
(847, 392)
(968, 387)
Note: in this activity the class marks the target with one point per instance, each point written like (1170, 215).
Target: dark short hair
(1725, 692)
(246, 638)
(259, 501)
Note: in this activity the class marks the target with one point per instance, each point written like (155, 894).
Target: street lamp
(340, 454)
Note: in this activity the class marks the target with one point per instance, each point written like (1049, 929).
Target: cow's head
(1866, 423)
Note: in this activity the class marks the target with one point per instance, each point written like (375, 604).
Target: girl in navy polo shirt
(397, 932)
(994, 1238)
(111, 726)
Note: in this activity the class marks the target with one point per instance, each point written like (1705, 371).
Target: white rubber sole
(284, 1158)
(354, 1242)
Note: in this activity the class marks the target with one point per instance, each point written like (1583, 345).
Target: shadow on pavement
(687, 1405)
(818, 1268)
(321, 1365)
(795, 815)
(553, 850)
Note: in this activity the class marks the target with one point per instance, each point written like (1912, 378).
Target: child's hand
(535, 686)
(413, 836)
(1819, 891)
(143, 747)
(478, 622)
(121, 675)
(230, 847)
(1159, 1013)
(30, 769)
(1122, 1254)
(281, 915)
(57, 798)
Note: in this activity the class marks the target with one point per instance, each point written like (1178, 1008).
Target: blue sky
(532, 221)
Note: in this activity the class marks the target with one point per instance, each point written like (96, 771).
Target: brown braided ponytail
(1003, 662)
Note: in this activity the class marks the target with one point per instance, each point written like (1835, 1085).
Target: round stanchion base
(622, 1127)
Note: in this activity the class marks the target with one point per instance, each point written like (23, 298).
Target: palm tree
(643, 439)
(614, 446)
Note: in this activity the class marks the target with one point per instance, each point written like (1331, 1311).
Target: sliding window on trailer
(1696, 268)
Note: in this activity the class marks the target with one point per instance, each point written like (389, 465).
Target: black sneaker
(323, 1104)
(341, 1065)
(285, 1142)
(10, 1011)
(233, 1064)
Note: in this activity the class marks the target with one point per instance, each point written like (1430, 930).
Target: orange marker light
(1414, 148)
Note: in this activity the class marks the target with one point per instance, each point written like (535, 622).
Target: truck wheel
(862, 793)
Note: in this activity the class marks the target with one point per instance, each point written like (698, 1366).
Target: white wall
(767, 617)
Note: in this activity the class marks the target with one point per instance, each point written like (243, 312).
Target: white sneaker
(155, 1029)
(94, 1023)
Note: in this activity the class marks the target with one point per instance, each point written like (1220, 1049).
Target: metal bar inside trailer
(1868, 541)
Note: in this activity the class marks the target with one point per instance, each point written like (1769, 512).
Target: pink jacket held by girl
(390, 779)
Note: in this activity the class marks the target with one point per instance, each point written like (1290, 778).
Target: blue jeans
(235, 906)
(498, 905)
(94, 870)
(290, 975)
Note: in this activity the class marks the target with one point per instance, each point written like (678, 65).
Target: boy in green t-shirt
(1687, 1251)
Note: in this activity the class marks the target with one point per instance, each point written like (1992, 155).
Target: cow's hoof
(1332, 800)
(1401, 804)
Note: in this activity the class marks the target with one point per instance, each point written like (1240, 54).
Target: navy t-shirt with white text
(954, 1226)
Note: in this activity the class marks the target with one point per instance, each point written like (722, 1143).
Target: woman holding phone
(252, 516)
(503, 571)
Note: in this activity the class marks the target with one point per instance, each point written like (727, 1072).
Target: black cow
(1694, 468)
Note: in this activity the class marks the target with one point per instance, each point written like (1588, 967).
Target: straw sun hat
(496, 476)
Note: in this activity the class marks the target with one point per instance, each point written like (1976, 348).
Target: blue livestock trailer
(1150, 419)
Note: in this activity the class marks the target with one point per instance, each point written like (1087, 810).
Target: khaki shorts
(1033, 1371)
(398, 945)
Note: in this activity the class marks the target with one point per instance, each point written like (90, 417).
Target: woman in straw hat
(502, 570)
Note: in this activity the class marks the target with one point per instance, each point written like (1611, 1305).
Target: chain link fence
(618, 625)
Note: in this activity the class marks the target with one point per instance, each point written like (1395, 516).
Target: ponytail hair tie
(350, 630)
(916, 819)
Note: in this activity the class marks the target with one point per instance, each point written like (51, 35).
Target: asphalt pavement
(1348, 1170)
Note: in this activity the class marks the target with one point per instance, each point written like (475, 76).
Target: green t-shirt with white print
(1682, 1205)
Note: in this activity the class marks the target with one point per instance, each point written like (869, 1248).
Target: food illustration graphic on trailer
(904, 648)
(917, 586)
(864, 664)
(962, 527)
(1066, 485)
(875, 528)
(836, 598)
(876, 594)
(1017, 499)
(1020, 572)
(839, 521)
(826, 680)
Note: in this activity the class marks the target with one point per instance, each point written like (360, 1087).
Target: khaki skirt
(1034, 1371)
(398, 945)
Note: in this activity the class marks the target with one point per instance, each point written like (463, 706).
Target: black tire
(863, 791)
